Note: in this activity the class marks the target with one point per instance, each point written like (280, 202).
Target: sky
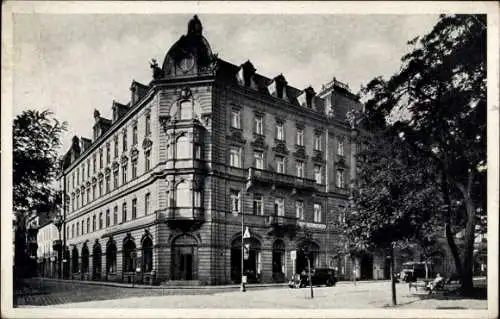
(75, 63)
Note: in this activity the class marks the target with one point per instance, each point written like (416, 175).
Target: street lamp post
(242, 288)
(58, 221)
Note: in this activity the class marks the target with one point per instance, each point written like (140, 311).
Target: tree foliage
(36, 138)
(434, 160)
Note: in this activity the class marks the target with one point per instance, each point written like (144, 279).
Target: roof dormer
(277, 88)
(306, 98)
(245, 74)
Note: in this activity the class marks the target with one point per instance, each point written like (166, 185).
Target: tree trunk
(468, 256)
(447, 229)
(393, 279)
(466, 272)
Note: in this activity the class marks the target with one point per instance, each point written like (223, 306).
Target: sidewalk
(141, 286)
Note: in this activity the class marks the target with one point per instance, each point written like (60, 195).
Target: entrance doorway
(184, 258)
(279, 261)
(252, 265)
(366, 267)
(96, 261)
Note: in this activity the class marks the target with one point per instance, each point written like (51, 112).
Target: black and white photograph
(253, 159)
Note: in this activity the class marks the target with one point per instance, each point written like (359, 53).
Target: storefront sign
(312, 225)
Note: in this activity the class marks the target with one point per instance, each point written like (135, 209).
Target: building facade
(164, 190)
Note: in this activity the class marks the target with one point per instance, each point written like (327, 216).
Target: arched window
(129, 256)
(183, 195)
(111, 258)
(186, 110)
(147, 255)
(183, 147)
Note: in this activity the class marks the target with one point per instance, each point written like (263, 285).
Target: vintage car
(319, 276)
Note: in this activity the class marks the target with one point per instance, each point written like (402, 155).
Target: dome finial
(194, 26)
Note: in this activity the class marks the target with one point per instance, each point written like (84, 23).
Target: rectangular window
(317, 174)
(73, 231)
(259, 160)
(134, 168)
(279, 207)
(124, 212)
(258, 205)
(77, 200)
(93, 191)
(134, 134)
(197, 151)
(280, 164)
(101, 182)
(146, 203)
(317, 142)
(300, 137)
(88, 168)
(300, 169)
(280, 131)
(83, 172)
(93, 223)
(94, 163)
(124, 174)
(148, 124)
(299, 209)
(197, 198)
(134, 208)
(340, 147)
(115, 215)
(235, 200)
(340, 179)
(116, 147)
(235, 119)
(73, 180)
(235, 157)
(100, 220)
(108, 218)
(108, 153)
(88, 225)
(115, 179)
(100, 159)
(108, 182)
(147, 160)
(259, 129)
(77, 176)
(77, 229)
(88, 194)
(124, 147)
(317, 213)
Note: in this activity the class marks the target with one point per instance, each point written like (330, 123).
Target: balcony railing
(275, 220)
(185, 213)
(283, 180)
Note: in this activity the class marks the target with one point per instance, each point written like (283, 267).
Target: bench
(425, 285)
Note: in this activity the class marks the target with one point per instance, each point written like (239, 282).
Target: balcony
(281, 225)
(264, 177)
(185, 218)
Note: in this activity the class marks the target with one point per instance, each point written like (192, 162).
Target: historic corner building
(161, 191)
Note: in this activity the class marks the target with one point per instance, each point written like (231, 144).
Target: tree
(393, 194)
(36, 138)
(442, 88)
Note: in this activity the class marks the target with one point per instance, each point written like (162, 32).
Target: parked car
(319, 276)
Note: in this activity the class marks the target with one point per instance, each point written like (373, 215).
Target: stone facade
(204, 147)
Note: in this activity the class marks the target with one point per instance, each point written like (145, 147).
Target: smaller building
(47, 239)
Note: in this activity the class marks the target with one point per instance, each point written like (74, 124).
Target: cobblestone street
(344, 295)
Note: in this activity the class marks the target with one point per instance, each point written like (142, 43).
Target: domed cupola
(191, 54)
